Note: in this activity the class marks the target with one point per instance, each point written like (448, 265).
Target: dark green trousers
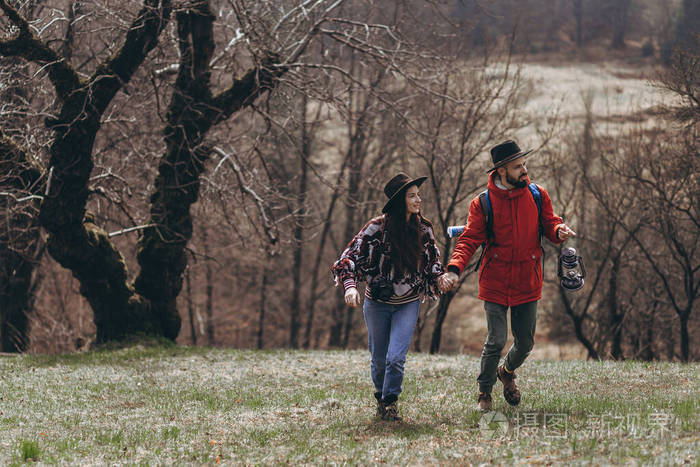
(523, 319)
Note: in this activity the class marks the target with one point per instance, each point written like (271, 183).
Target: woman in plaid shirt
(396, 255)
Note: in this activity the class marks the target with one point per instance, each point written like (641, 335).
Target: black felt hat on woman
(397, 186)
(506, 152)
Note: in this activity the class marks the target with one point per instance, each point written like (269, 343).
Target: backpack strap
(537, 196)
(538, 201)
(534, 189)
(485, 201)
(486, 208)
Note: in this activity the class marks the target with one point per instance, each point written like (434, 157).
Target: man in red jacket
(511, 267)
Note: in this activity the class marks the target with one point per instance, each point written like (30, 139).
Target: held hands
(565, 232)
(352, 297)
(447, 281)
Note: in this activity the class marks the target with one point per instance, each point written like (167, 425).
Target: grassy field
(184, 405)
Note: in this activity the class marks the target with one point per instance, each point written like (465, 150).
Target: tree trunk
(347, 328)
(440, 316)
(15, 302)
(341, 328)
(443, 306)
(313, 295)
(620, 15)
(418, 333)
(670, 341)
(578, 326)
(263, 295)
(685, 343)
(578, 17)
(647, 351)
(208, 277)
(73, 238)
(687, 29)
(336, 330)
(359, 129)
(299, 226)
(423, 316)
(614, 315)
(20, 243)
(193, 111)
(190, 307)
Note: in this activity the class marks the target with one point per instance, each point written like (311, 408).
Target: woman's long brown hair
(404, 238)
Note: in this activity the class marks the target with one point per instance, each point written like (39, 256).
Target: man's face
(516, 173)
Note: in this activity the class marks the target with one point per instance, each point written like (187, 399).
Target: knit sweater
(365, 257)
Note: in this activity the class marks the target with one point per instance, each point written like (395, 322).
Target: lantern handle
(583, 270)
(559, 273)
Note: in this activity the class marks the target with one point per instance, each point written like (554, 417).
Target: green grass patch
(29, 450)
(162, 404)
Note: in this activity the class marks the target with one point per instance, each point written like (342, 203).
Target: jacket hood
(493, 189)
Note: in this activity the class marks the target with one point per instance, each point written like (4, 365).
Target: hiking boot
(381, 406)
(510, 391)
(484, 401)
(391, 413)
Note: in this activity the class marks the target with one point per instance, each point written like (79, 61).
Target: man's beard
(515, 182)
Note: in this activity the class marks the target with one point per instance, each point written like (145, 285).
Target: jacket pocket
(495, 275)
(529, 276)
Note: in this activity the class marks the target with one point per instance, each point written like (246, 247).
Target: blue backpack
(485, 201)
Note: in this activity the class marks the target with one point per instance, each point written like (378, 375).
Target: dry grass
(179, 405)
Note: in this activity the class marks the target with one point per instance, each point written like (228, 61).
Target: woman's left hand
(447, 281)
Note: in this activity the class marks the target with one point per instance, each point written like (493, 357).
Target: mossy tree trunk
(74, 240)
(20, 242)
(148, 305)
(192, 112)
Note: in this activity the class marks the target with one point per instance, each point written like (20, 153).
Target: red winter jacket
(511, 269)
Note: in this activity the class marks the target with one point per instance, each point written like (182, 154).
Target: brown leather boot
(391, 413)
(484, 401)
(510, 391)
(381, 406)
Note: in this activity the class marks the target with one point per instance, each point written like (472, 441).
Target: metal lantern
(570, 271)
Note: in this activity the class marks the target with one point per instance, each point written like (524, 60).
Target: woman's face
(412, 201)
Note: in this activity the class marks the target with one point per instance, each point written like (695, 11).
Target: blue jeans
(390, 331)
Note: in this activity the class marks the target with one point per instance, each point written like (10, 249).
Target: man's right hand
(352, 296)
(447, 281)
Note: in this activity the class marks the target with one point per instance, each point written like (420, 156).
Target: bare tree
(21, 188)
(75, 240)
(21, 182)
(598, 311)
(662, 176)
(619, 16)
(454, 128)
(360, 134)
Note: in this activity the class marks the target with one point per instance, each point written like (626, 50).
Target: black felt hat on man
(397, 186)
(506, 152)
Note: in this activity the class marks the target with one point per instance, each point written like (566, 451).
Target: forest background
(191, 169)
